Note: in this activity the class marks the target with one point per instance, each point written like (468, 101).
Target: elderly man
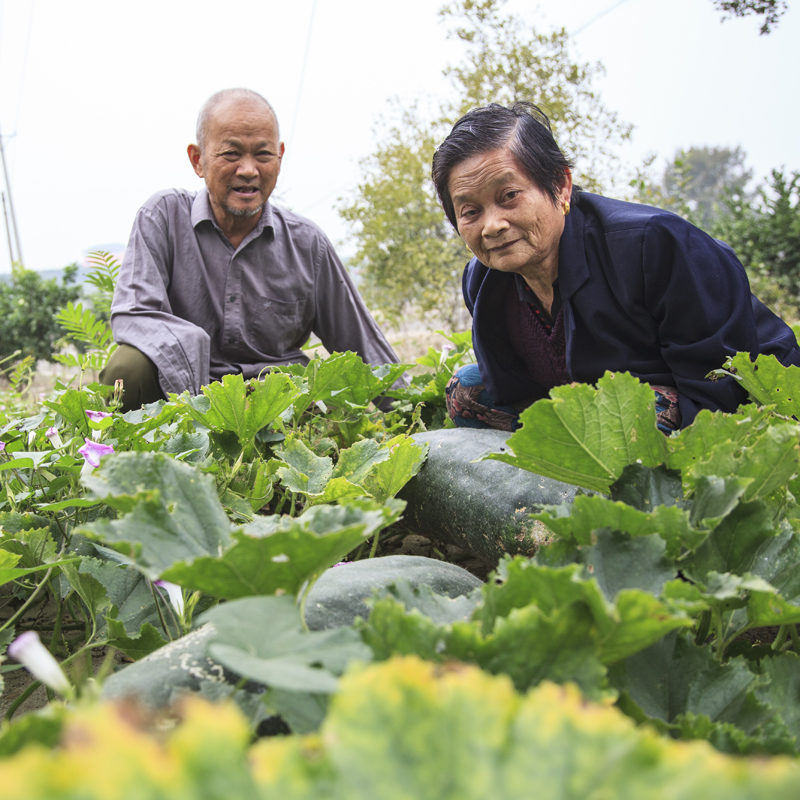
(220, 281)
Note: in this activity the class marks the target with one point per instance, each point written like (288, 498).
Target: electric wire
(303, 72)
(596, 17)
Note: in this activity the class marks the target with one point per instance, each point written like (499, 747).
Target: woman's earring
(565, 208)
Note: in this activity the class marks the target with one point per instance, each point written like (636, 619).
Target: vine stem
(781, 637)
(21, 699)
(23, 608)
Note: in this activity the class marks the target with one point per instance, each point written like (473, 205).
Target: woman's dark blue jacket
(644, 292)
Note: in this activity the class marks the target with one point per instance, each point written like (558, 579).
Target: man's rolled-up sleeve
(141, 314)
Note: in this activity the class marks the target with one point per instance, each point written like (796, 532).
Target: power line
(596, 17)
(302, 72)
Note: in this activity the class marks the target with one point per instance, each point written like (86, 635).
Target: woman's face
(506, 220)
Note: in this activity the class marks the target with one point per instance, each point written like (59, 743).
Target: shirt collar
(201, 212)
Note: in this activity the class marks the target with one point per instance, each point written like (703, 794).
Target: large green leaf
(173, 511)
(674, 677)
(531, 646)
(783, 690)
(734, 544)
(261, 638)
(128, 591)
(344, 380)
(279, 557)
(710, 430)
(243, 408)
(387, 477)
(587, 436)
(618, 562)
(769, 461)
(305, 472)
(633, 620)
(591, 513)
(356, 462)
(768, 382)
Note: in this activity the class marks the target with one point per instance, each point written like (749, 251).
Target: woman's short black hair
(523, 128)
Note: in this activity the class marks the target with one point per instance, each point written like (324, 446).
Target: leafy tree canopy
(699, 184)
(410, 258)
(28, 305)
(770, 10)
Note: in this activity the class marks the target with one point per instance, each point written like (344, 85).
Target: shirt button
(233, 298)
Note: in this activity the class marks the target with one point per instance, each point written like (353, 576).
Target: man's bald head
(222, 97)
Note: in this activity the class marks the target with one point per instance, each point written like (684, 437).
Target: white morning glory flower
(37, 659)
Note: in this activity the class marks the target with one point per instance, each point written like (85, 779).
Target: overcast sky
(98, 100)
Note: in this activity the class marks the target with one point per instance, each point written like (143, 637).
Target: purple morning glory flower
(52, 434)
(93, 451)
(96, 416)
(37, 659)
(2, 446)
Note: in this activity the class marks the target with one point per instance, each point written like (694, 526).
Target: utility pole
(10, 202)
(8, 232)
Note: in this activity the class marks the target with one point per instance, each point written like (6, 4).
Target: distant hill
(80, 277)
(116, 250)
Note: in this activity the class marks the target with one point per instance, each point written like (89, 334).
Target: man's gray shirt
(200, 308)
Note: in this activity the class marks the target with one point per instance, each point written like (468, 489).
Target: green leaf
(768, 382)
(178, 518)
(783, 690)
(146, 641)
(128, 591)
(244, 408)
(770, 461)
(72, 406)
(711, 430)
(588, 514)
(33, 730)
(280, 561)
(306, 472)
(88, 588)
(9, 572)
(675, 677)
(261, 638)
(715, 498)
(404, 461)
(357, 461)
(587, 436)
(734, 544)
(618, 562)
(645, 489)
(633, 621)
(345, 381)
(531, 646)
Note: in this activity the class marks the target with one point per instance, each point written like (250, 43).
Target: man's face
(240, 160)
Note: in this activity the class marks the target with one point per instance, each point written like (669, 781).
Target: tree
(409, 257)
(699, 183)
(771, 10)
(28, 305)
(766, 237)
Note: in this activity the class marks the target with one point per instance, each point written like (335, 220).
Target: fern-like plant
(89, 329)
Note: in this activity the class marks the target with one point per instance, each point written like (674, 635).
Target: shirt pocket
(275, 325)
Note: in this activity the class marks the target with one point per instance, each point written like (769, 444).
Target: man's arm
(342, 321)
(141, 313)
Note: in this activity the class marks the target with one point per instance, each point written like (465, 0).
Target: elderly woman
(565, 284)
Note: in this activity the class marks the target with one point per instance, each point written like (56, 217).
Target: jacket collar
(573, 270)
